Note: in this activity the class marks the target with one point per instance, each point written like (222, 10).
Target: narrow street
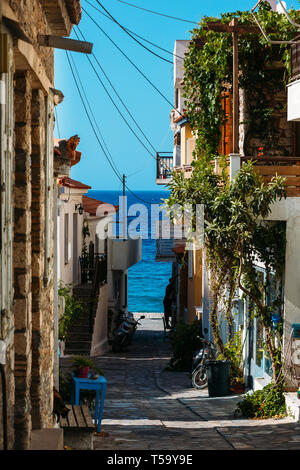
(149, 408)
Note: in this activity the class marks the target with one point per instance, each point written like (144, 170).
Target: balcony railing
(164, 167)
(267, 167)
(287, 167)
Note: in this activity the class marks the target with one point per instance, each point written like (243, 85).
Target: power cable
(56, 120)
(129, 34)
(115, 170)
(137, 35)
(122, 101)
(158, 13)
(132, 63)
(91, 111)
(86, 111)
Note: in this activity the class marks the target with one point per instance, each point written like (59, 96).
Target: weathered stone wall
(42, 301)
(34, 21)
(276, 137)
(29, 328)
(22, 309)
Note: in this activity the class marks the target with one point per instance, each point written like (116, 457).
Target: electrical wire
(91, 111)
(115, 170)
(56, 120)
(158, 13)
(132, 63)
(129, 34)
(88, 116)
(137, 35)
(122, 101)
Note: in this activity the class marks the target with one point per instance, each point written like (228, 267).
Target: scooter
(124, 333)
(207, 353)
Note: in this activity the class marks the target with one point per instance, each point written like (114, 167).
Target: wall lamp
(79, 208)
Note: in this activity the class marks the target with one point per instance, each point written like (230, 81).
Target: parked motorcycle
(207, 353)
(124, 333)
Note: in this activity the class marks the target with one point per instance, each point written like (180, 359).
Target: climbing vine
(264, 71)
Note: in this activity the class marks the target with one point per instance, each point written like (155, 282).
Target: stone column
(37, 229)
(42, 293)
(22, 259)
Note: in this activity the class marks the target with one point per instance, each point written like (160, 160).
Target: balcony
(267, 167)
(287, 167)
(124, 253)
(164, 167)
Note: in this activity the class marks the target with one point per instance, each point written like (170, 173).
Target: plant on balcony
(234, 236)
(208, 74)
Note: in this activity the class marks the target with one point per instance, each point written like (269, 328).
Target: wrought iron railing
(93, 268)
(164, 165)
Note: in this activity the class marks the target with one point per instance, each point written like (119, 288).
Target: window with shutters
(6, 172)
(227, 131)
(66, 239)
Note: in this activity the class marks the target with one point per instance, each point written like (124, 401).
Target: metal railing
(93, 268)
(164, 165)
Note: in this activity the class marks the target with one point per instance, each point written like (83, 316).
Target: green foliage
(208, 72)
(265, 403)
(82, 361)
(73, 308)
(234, 236)
(233, 352)
(184, 343)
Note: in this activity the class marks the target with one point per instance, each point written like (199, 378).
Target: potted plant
(82, 364)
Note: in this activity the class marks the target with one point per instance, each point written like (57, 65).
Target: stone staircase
(79, 338)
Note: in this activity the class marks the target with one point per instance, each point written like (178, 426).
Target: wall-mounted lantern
(79, 208)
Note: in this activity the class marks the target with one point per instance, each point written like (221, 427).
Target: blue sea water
(147, 280)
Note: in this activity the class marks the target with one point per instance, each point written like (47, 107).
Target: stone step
(78, 336)
(47, 439)
(78, 344)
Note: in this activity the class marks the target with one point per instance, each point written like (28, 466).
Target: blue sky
(147, 106)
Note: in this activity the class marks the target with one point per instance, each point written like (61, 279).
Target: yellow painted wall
(187, 145)
(195, 286)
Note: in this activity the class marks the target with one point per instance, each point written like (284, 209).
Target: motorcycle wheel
(199, 377)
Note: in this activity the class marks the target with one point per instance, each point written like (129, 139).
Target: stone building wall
(28, 326)
(277, 135)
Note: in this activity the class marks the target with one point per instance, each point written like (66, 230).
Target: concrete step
(47, 439)
(78, 336)
(77, 352)
(78, 344)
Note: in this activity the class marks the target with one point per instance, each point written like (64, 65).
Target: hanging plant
(208, 73)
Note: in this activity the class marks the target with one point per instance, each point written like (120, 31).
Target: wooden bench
(78, 427)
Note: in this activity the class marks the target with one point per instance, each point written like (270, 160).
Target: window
(176, 98)
(66, 239)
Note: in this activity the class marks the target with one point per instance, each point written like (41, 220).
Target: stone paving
(147, 407)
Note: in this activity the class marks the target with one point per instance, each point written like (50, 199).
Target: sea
(147, 280)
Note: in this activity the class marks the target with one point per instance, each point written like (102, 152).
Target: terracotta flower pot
(83, 372)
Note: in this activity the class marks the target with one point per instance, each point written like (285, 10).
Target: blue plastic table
(99, 385)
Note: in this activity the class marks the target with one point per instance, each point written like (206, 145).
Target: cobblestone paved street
(149, 408)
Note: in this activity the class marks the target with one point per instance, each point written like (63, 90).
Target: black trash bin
(218, 376)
